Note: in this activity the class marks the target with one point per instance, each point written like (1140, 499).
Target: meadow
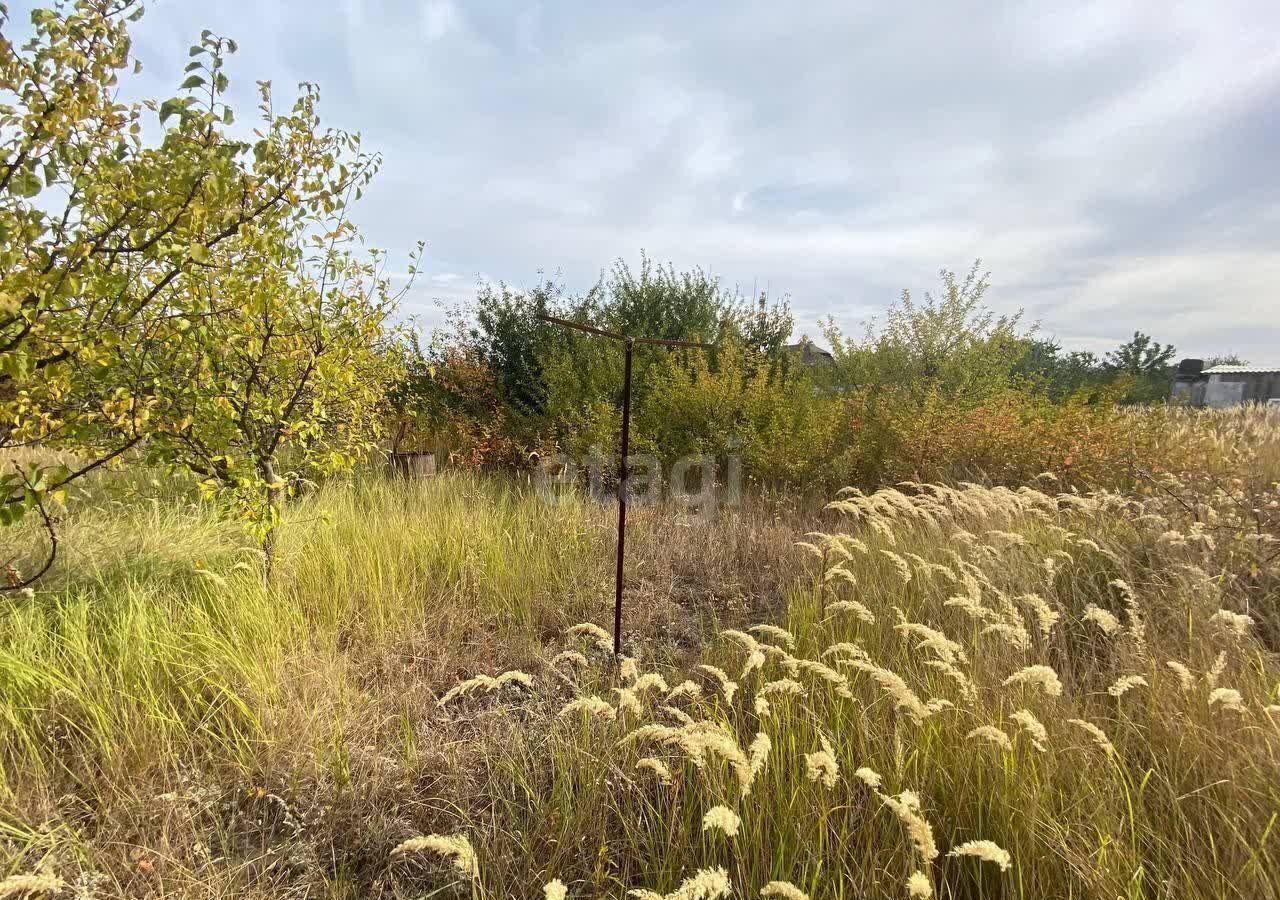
(958, 690)
(991, 619)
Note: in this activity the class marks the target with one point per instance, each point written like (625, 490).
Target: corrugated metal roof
(1240, 370)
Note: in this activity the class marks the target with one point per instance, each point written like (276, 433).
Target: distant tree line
(499, 383)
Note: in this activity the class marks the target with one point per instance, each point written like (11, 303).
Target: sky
(1113, 164)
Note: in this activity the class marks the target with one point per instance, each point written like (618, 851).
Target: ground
(1082, 684)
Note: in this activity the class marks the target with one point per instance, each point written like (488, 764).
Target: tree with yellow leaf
(104, 237)
(288, 375)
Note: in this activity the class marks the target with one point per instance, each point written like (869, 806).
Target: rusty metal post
(624, 471)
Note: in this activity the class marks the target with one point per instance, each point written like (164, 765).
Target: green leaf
(193, 66)
(193, 81)
(26, 183)
(199, 253)
(169, 107)
(195, 50)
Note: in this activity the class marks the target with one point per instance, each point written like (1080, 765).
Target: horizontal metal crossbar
(590, 329)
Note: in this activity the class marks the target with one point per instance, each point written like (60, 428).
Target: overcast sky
(1115, 165)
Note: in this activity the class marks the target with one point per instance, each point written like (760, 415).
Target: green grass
(156, 650)
(172, 727)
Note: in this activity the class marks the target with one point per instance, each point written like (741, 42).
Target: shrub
(1010, 437)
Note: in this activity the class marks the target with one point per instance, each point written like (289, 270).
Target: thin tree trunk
(274, 498)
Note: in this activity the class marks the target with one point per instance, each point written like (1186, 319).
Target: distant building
(1219, 386)
(809, 354)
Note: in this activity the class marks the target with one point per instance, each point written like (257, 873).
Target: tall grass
(1086, 682)
(982, 689)
(390, 551)
(155, 649)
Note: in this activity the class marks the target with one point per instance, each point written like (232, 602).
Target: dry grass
(968, 691)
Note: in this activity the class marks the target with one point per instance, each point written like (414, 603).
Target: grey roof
(810, 353)
(1240, 370)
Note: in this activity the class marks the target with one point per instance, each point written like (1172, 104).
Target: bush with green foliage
(942, 388)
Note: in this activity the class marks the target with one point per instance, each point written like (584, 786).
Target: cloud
(439, 17)
(1111, 162)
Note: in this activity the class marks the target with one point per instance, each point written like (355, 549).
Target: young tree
(101, 235)
(509, 336)
(952, 342)
(1144, 364)
(1140, 356)
(291, 364)
(541, 385)
(1059, 374)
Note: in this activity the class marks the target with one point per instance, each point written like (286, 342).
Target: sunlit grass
(885, 697)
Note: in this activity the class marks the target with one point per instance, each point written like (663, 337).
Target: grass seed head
(758, 755)
(1236, 624)
(569, 657)
(1045, 615)
(992, 735)
(869, 777)
(598, 637)
(29, 886)
(783, 889)
(859, 611)
(1123, 685)
(728, 686)
(1105, 620)
(774, 631)
(456, 848)
(782, 687)
(1215, 671)
(649, 681)
(707, 884)
(906, 806)
(628, 701)
(1099, 736)
(1226, 698)
(1186, 680)
(686, 688)
(987, 851)
(723, 819)
(678, 714)
(1032, 728)
(919, 886)
(821, 766)
(1041, 676)
(657, 767)
(755, 660)
(592, 706)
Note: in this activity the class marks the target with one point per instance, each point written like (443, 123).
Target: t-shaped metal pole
(624, 468)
